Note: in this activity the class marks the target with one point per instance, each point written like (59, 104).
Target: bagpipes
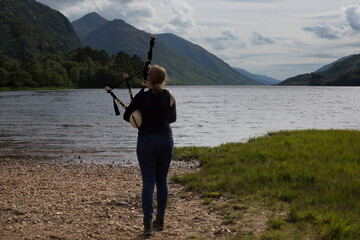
(127, 78)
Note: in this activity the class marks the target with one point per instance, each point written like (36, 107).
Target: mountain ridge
(200, 55)
(116, 35)
(260, 78)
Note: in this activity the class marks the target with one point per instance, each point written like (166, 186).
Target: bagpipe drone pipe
(127, 78)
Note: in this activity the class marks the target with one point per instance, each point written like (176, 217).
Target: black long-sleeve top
(155, 109)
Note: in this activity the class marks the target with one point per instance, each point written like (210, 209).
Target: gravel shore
(42, 199)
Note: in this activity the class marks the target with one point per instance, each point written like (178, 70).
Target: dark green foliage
(82, 68)
(346, 79)
(316, 80)
(302, 79)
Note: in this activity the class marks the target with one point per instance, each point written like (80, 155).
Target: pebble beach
(41, 198)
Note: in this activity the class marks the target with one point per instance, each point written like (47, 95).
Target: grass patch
(316, 172)
(193, 236)
(274, 223)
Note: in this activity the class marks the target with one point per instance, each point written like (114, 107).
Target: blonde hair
(157, 76)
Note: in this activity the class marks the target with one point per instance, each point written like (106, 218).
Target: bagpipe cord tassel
(116, 108)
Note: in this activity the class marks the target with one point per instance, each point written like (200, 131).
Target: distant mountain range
(31, 29)
(259, 78)
(186, 63)
(343, 72)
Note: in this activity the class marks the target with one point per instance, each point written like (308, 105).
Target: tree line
(344, 79)
(81, 68)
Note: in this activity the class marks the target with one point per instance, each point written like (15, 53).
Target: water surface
(75, 123)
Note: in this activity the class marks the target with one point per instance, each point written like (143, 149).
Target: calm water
(83, 123)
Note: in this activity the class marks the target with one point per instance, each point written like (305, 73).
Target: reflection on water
(83, 121)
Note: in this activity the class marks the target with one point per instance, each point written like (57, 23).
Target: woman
(155, 144)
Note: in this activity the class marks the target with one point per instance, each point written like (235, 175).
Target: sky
(276, 38)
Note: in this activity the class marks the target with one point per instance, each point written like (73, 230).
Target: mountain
(88, 23)
(209, 60)
(203, 57)
(31, 29)
(259, 78)
(343, 72)
(169, 51)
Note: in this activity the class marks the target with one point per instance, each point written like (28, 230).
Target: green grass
(315, 172)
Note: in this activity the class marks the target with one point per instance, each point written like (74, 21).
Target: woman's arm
(132, 107)
(172, 113)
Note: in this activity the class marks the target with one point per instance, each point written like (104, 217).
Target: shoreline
(125, 157)
(42, 199)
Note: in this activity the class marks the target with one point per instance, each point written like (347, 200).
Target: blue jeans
(154, 154)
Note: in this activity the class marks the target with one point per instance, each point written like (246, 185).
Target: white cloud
(229, 35)
(325, 31)
(353, 17)
(226, 40)
(259, 39)
(180, 21)
(339, 29)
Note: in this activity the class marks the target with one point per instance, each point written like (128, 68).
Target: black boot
(148, 228)
(159, 223)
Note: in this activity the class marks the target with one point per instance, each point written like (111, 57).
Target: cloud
(178, 19)
(133, 12)
(348, 27)
(173, 16)
(259, 39)
(254, 1)
(181, 21)
(325, 31)
(227, 37)
(353, 17)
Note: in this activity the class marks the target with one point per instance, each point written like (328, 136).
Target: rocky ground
(42, 199)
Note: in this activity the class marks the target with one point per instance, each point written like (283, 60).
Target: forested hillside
(82, 68)
(31, 29)
(344, 72)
